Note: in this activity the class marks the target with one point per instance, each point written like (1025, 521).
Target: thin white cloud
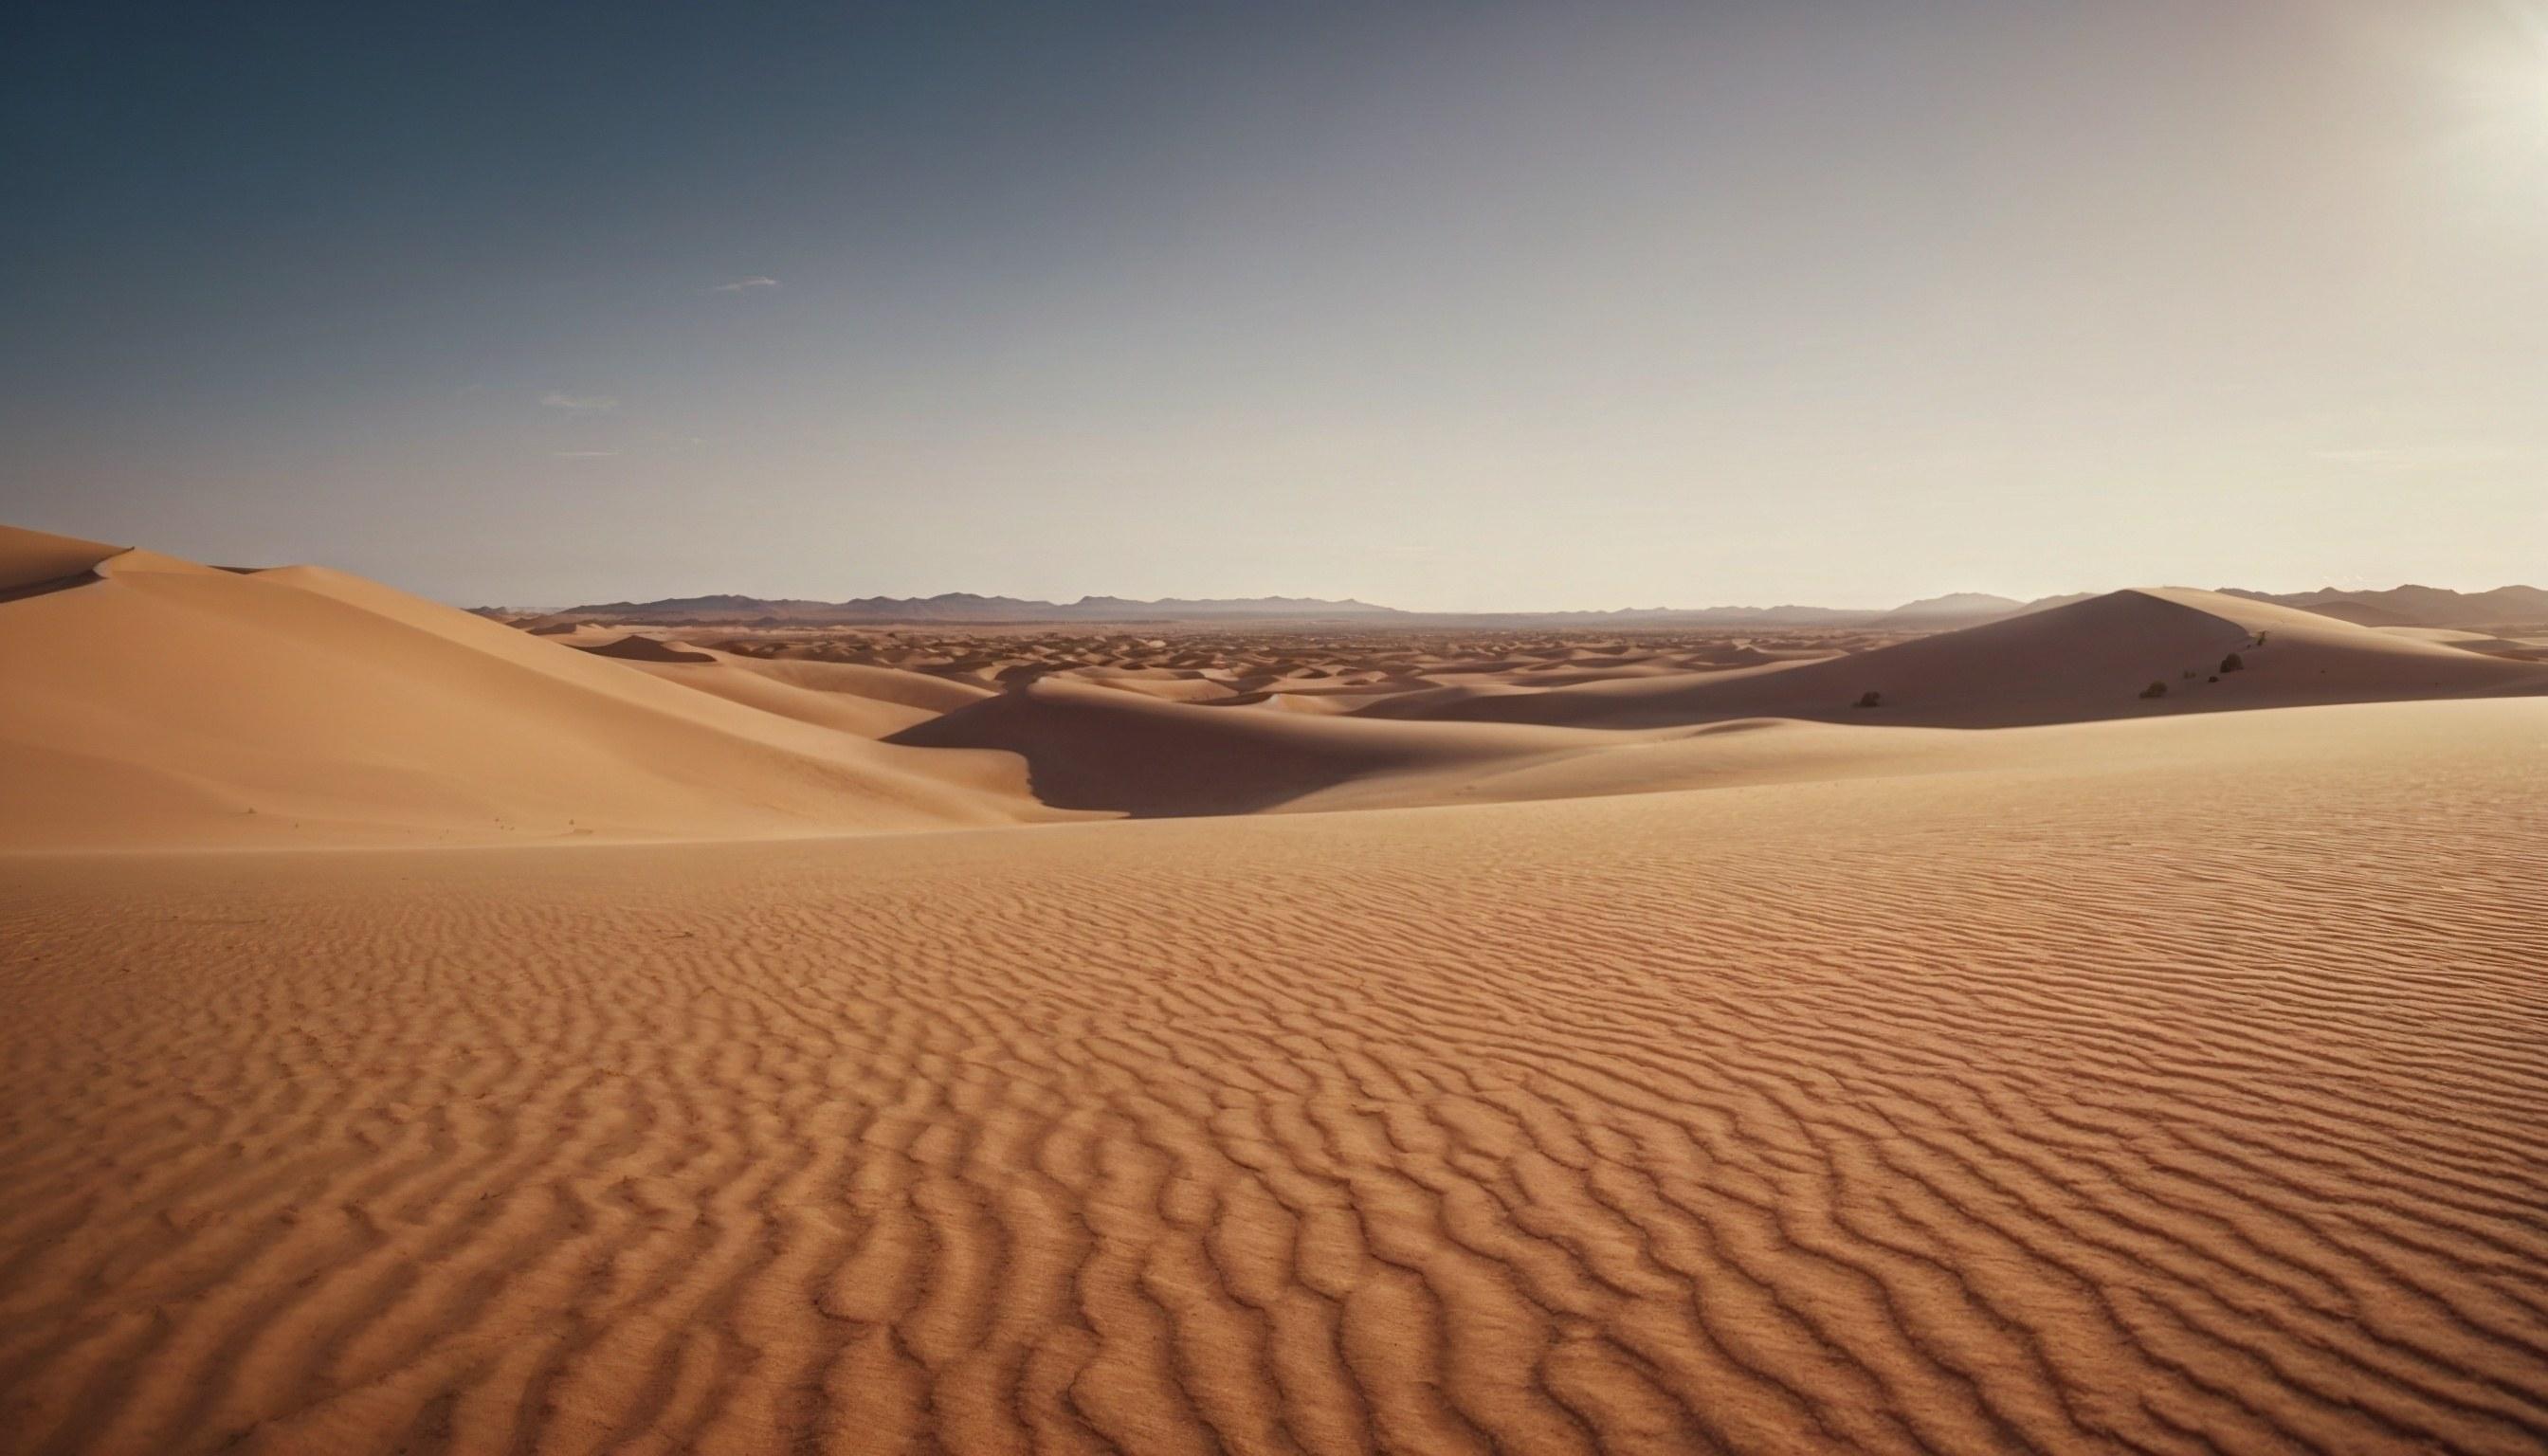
(739, 285)
(579, 403)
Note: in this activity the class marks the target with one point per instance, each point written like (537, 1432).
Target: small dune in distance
(2106, 1022)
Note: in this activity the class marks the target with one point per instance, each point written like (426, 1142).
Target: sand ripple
(2167, 1111)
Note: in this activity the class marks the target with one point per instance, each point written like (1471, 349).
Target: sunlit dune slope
(848, 697)
(2090, 660)
(163, 704)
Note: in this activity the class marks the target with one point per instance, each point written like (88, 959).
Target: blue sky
(1443, 306)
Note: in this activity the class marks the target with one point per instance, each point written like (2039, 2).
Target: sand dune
(2524, 647)
(33, 561)
(1111, 746)
(866, 701)
(1098, 748)
(638, 647)
(2091, 660)
(2171, 1102)
(2020, 1065)
(163, 704)
(1089, 749)
(323, 708)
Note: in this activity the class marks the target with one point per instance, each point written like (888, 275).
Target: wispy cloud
(741, 285)
(579, 403)
(584, 454)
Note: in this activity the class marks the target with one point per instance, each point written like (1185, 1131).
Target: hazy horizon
(1842, 305)
(1520, 610)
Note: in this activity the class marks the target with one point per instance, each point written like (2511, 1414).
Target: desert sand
(156, 701)
(429, 1036)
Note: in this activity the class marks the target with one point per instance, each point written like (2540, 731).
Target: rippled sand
(2161, 1098)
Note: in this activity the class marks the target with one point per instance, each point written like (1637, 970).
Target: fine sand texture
(2172, 1094)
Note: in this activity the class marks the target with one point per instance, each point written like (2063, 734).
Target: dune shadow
(48, 586)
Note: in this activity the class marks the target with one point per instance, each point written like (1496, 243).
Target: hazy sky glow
(1448, 306)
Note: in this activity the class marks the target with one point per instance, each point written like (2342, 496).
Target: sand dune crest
(2090, 660)
(163, 704)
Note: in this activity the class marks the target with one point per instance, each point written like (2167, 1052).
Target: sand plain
(2122, 1079)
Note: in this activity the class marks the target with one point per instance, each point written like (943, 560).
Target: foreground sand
(2160, 1100)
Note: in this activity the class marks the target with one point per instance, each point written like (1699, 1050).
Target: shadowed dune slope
(1093, 748)
(636, 647)
(1105, 748)
(165, 704)
(2164, 1102)
(35, 560)
(2090, 660)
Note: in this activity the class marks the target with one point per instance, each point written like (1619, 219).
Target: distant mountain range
(2418, 607)
(2410, 606)
(956, 607)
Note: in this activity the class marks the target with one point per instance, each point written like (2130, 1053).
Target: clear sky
(1443, 306)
